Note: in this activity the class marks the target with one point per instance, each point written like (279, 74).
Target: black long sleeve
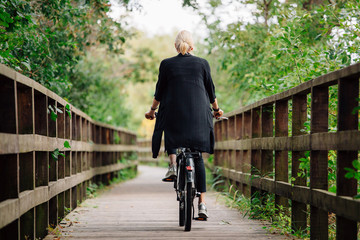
(208, 82)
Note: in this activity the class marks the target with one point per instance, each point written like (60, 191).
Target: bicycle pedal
(169, 179)
(200, 219)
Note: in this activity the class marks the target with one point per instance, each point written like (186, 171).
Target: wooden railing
(145, 153)
(255, 155)
(35, 189)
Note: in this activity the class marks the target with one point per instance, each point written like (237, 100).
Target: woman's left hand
(150, 115)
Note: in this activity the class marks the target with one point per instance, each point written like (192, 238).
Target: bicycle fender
(190, 173)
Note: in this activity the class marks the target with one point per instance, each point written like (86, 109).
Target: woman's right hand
(218, 113)
(150, 115)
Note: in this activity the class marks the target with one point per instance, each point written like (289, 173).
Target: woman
(185, 90)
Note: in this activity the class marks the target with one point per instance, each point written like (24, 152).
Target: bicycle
(185, 185)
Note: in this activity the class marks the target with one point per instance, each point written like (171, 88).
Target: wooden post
(27, 225)
(11, 231)
(24, 104)
(299, 116)
(41, 220)
(348, 92)
(53, 211)
(319, 161)
(281, 157)
(7, 102)
(61, 121)
(267, 131)
(61, 206)
(51, 123)
(231, 128)
(246, 133)
(26, 171)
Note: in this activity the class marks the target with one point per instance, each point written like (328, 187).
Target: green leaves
(56, 153)
(67, 109)
(67, 144)
(354, 173)
(53, 110)
(356, 109)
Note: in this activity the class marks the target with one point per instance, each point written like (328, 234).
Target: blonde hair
(184, 42)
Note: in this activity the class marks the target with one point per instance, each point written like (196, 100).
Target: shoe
(203, 211)
(170, 176)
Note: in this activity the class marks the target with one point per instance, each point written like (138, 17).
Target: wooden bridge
(49, 155)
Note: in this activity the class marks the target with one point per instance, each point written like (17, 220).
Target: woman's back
(185, 90)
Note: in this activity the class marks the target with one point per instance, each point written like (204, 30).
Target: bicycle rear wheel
(181, 213)
(188, 206)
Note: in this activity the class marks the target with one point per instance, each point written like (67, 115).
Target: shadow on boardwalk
(146, 208)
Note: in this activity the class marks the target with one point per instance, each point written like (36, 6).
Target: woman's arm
(151, 113)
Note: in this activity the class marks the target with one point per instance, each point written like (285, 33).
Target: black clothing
(185, 90)
(171, 151)
(200, 176)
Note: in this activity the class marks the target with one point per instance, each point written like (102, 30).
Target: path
(146, 208)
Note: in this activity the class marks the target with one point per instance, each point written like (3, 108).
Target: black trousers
(200, 175)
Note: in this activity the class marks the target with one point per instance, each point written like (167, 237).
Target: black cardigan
(185, 90)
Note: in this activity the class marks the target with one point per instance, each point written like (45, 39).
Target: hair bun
(184, 42)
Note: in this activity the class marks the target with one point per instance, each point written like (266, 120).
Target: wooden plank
(344, 141)
(318, 161)
(348, 93)
(12, 143)
(159, 221)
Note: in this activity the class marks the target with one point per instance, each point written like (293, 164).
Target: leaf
(67, 144)
(67, 109)
(355, 110)
(53, 116)
(27, 65)
(61, 154)
(357, 196)
(356, 164)
(349, 175)
(349, 169)
(55, 154)
(58, 110)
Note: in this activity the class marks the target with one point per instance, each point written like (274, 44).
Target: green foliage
(296, 44)
(45, 40)
(354, 173)
(97, 88)
(57, 152)
(67, 109)
(53, 110)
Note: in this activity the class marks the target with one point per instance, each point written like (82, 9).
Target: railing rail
(253, 146)
(145, 153)
(35, 189)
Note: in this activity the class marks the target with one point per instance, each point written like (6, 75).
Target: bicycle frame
(185, 185)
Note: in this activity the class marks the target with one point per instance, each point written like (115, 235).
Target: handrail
(257, 135)
(36, 189)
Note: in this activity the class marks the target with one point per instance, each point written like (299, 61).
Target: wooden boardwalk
(146, 208)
